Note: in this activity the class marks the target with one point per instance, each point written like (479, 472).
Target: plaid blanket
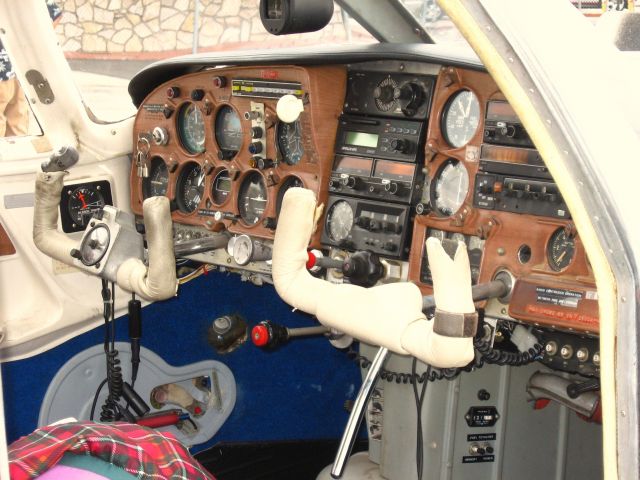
(143, 452)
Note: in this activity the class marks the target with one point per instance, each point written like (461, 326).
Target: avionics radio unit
(502, 126)
(379, 137)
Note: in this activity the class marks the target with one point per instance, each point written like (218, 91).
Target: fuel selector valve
(363, 268)
(269, 335)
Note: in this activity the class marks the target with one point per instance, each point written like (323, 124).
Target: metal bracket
(41, 86)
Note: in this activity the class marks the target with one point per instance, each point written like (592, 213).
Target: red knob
(260, 335)
(311, 260)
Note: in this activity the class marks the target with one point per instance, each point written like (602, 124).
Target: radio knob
(385, 93)
(375, 226)
(411, 96)
(363, 222)
(400, 145)
(351, 182)
(334, 185)
(392, 188)
(422, 208)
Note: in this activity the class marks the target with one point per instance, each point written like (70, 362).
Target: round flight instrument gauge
(286, 185)
(340, 221)
(560, 250)
(252, 198)
(84, 202)
(190, 187)
(228, 131)
(289, 141)
(191, 128)
(221, 187)
(461, 118)
(449, 188)
(156, 184)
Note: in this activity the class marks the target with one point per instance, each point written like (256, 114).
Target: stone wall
(131, 28)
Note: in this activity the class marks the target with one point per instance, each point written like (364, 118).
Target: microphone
(61, 159)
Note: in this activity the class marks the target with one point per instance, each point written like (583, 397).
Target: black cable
(419, 403)
(110, 409)
(502, 357)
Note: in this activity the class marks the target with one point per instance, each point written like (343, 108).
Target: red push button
(260, 335)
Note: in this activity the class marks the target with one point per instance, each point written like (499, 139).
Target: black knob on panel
(363, 268)
(363, 222)
(392, 188)
(256, 132)
(334, 184)
(351, 182)
(264, 163)
(401, 145)
(411, 97)
(390, 246)
(255, 148)
(197, 94)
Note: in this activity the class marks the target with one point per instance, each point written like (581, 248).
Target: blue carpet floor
(294, 393)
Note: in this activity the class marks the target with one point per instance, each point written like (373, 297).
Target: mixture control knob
(401, 145)
(384, 93)
(255, 147)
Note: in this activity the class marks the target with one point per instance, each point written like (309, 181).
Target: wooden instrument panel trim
(324, 89)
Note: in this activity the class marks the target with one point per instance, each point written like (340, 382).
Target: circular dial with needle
(340, 221)
(84, 202)
(450, 187)
(461, 118)
(561, 249)
(252, 199)
(155, 185)
(190, 188)
(289, 141)
(191, 128)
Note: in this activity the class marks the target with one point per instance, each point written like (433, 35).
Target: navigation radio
(379, 137)
(503, 127)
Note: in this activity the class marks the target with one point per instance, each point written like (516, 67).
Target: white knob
(289, 108)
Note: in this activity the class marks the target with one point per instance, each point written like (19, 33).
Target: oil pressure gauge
(561, 249)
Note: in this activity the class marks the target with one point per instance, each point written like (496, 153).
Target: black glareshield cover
(282, 17)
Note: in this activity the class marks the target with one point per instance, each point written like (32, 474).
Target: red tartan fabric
(141, 451)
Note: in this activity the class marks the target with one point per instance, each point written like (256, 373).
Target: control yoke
(388, 315)
(110, 247)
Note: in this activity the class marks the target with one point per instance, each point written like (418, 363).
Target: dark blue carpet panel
(297, 392)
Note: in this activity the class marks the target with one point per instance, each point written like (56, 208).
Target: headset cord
(110, 411)
(419, 398)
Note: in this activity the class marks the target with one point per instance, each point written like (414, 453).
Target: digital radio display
(361, 139)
